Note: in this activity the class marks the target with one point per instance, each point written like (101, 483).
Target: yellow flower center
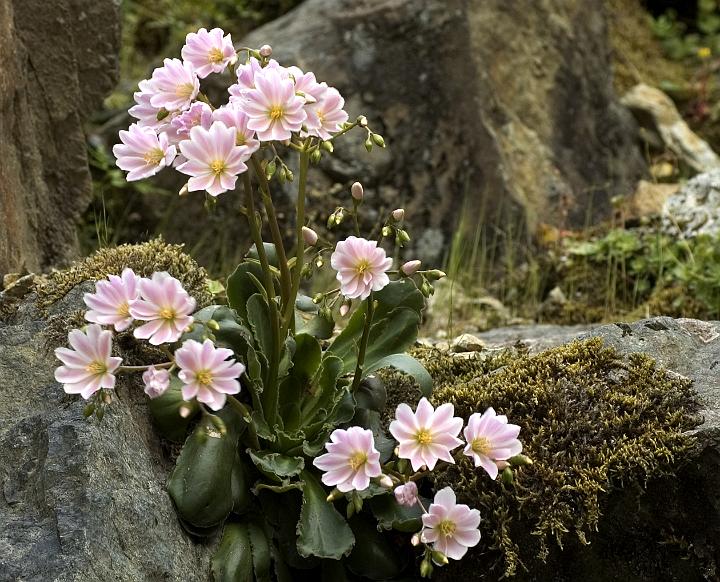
(362, 266)
(240, 138)
(276, 112)
(204, 377)
(218, 167)
(321, 116)
(423, 437)
(124, 309)
(184, 90)
(167, 313)
(358, 460)
(481, 446)
(215, 56)
(154, 156)
(446, 527)
(96, 368)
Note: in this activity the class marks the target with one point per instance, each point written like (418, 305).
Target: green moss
(591, 420)
(144, 259)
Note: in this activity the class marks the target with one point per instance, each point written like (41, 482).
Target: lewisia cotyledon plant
(271, 403)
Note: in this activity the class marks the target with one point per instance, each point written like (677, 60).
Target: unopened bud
(357, 191)
(309, 236)
(265, 51)
(398, 214)
(502, 465)
(270, 169)
(507, 476)
(88, 410)
(411, 267)
(426, 289)
(435, 274)
(334, 494)
(368, 144)
(184, 411)
(357, 502)
(415, 540)
(212, 324)
(319, 262)
(426, 568)
(387, 231)
(385, 481)
(316, 156)
(362, 121)
(184, 191)
(339, 216)
(328, 146)
(378, 139)
(402, 237)
(289, 176)
(439, 558)
(162, 114)
(317, 298)
(344, 308)
(520, 460)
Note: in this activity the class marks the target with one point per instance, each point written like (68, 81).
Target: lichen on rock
(592, 420)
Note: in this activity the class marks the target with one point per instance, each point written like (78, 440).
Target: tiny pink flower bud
(309, 236)
(265, 50)
(184, 411)
(357, 191)
(385, 481)
(156, 381)
(344, 308)
(407, 494)
(415, 540)
(411, 267)
(398, 214)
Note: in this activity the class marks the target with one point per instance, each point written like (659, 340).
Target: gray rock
(695, 208)
(81, 501)
(58, 60)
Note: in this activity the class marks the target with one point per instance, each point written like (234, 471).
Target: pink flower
(157, 381)
(491, 439)
(110, 304)
(451, 527)
(427, 435)
(142, 152)
(246, 77)
(325, 116)
(174, 85)
(209, 52)
(411, 267)
(214, 160)
(232, 116)
(199, 114)
(361, 267)
(351, 459)
(165, 305)
(207, 373)
(143, 111)
(274, 109)
(407, 494)
(88, 367)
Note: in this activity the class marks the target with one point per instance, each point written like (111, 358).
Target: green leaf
(284, 487)
(261, 555)
(371, 394)
(201, 483)
(258, 313)
(407, 364)
(275, 465)
(391, 515)
(321, 530)
(233, 560)
(240, 486)
(321, 326)
(240, 286)
(165, 411)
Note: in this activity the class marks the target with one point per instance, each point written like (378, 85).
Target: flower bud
(289, 176)
(415, 540)
(426, 289)
(357, 191)
(339, 215)
(398, 214)
(426, 568)
(402, 236)
(411, 267)
(507, 476)
(309, 236)
(162, 114)
(362, 121)
(265, 51)
(317, 298)
(184, 411)
(439, 558)
(520, 460)
(212, 324)
(387, 231)
(328, 146)
(89, 410)
(344, 308)
(316, 156)
(378, 139)
(334, 494)
(270, 169)
(368, 144)
(319, 262)
(435, 274)
(385, 481)
(184, 191)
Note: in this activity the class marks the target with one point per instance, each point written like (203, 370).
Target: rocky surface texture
(695, 208)
(80, 501)
(58, 60)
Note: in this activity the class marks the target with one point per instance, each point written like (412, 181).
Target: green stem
(363, 343)
(271, 390)
(289, 314)
(245, 413)
(143, 368)
(285, 284)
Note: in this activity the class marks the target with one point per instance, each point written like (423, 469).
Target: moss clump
(144, 259)
(591, 420)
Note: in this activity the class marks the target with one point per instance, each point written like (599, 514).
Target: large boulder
(695, 208)
(58, 60)
(504, 107)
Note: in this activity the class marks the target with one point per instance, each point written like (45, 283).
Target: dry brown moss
(592, 422)
(144, 259)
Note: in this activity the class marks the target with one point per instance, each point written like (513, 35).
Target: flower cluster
(177, 126)
(425, 437)
(160, 309)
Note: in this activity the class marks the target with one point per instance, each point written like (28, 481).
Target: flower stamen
(424, 437)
